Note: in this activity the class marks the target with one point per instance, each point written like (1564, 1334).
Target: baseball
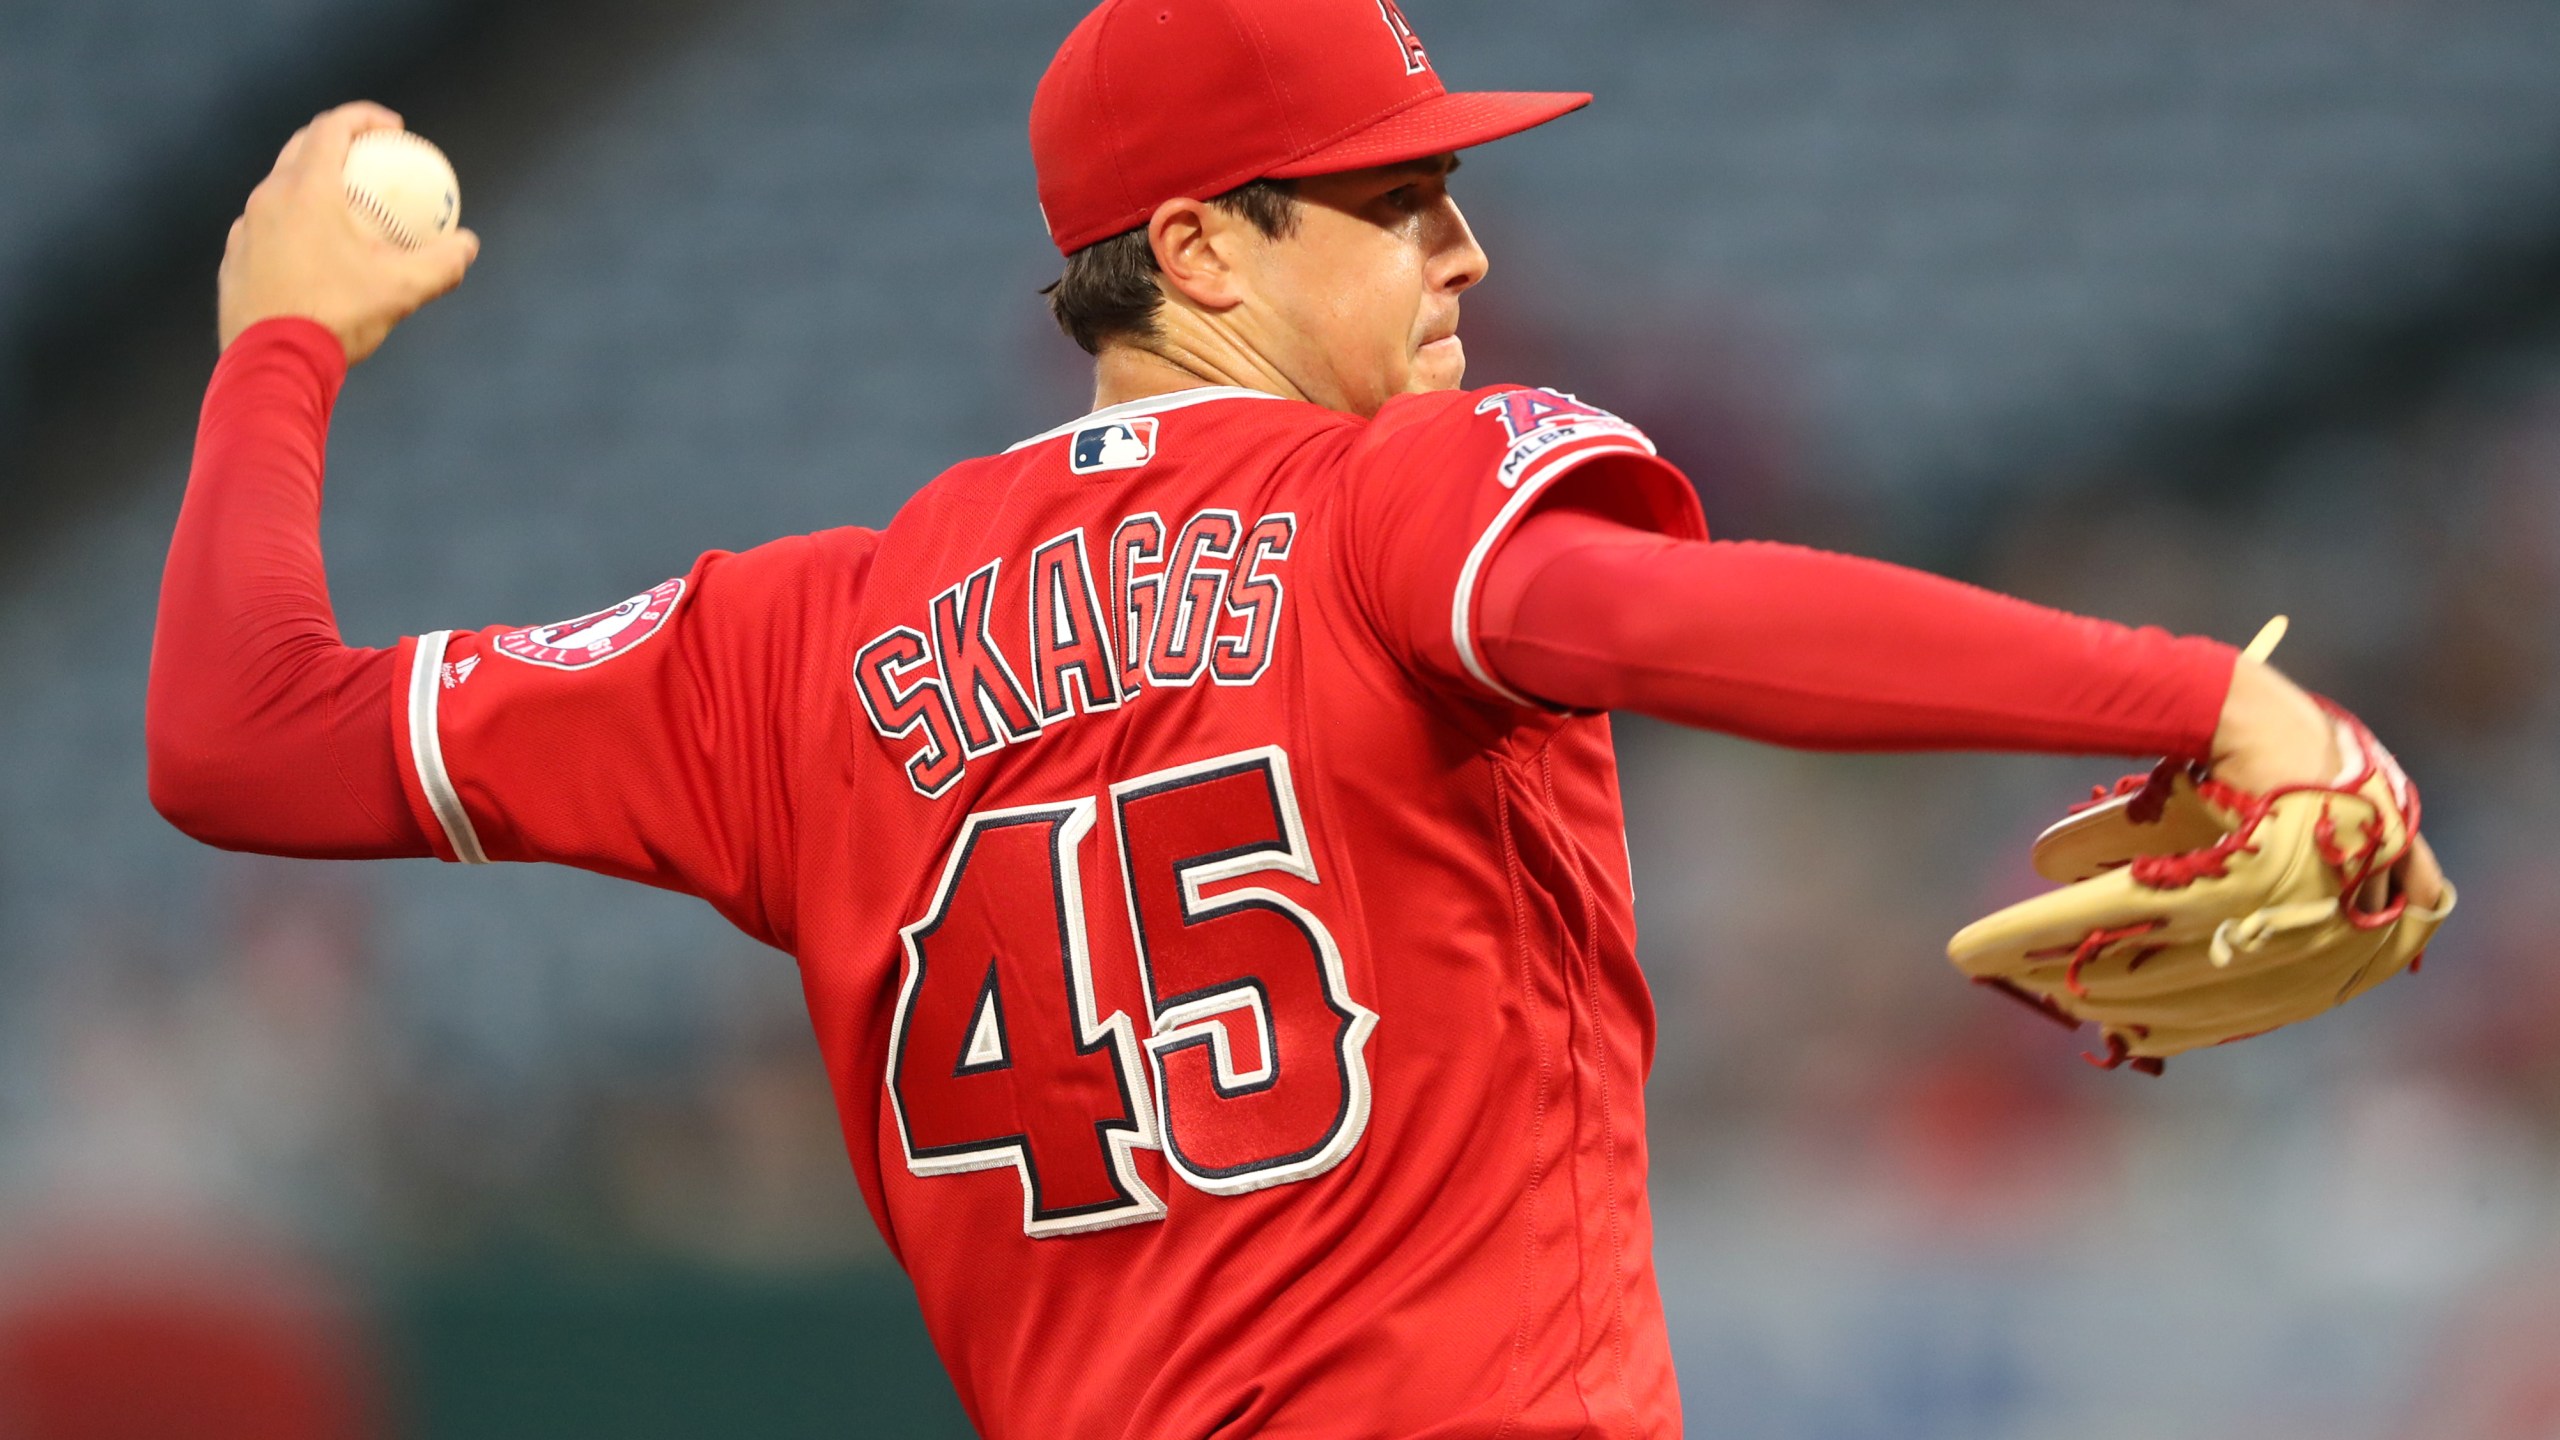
(402, 186)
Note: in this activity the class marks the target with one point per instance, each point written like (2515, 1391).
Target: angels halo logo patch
(594, 639)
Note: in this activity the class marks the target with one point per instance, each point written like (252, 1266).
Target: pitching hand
(299, 250)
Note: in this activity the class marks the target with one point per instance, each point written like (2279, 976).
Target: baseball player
(1196, 824)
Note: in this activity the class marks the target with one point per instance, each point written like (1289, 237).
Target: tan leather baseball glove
(2192, 913)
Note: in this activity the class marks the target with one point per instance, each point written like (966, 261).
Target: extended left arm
(1824, 651)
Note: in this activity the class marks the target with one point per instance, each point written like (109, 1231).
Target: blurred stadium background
(2182, 312)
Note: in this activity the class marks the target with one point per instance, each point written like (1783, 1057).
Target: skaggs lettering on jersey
(1204, 599)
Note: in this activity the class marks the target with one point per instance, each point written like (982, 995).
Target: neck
(1184, 355)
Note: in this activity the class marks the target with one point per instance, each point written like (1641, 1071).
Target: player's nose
(1458, 262)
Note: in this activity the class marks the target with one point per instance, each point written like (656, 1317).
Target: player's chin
(1440, 365)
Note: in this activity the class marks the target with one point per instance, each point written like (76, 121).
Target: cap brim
(1434, 126)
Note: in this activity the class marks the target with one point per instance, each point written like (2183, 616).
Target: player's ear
(1196, 248)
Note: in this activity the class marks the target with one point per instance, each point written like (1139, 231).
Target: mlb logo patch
(1120, 445)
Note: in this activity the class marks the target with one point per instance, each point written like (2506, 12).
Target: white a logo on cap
(1415, 62)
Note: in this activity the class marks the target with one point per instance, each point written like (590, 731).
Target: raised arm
(265, 732)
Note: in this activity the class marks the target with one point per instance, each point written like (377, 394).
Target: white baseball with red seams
(402, 186)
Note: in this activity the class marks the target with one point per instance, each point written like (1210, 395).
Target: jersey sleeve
(655, 740)
(1439, 484)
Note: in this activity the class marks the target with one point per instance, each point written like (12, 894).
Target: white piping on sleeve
(426, 749)
(1462, 609)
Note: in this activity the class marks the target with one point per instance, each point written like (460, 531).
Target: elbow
(182, 790)
(253, 765)
(189, 781)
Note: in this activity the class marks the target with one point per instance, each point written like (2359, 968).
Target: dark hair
(1110, 290)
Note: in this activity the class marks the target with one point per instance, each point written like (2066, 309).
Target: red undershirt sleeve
(265, 732)
(1822, 651)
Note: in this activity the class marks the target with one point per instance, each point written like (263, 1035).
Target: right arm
(264, 732)
(661, 750)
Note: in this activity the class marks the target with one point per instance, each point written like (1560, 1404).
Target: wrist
(297, 331)
(2272, 732)
(297, 342)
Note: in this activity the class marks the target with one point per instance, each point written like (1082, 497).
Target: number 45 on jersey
(1255, 1069)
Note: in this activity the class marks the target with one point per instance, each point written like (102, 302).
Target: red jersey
(1228, 985)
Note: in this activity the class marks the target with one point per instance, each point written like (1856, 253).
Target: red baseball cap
(1153, 99)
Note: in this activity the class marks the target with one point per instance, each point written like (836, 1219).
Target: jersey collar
(1152, 405)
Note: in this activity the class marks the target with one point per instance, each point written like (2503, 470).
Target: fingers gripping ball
(2193, 913)
(403, 187)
